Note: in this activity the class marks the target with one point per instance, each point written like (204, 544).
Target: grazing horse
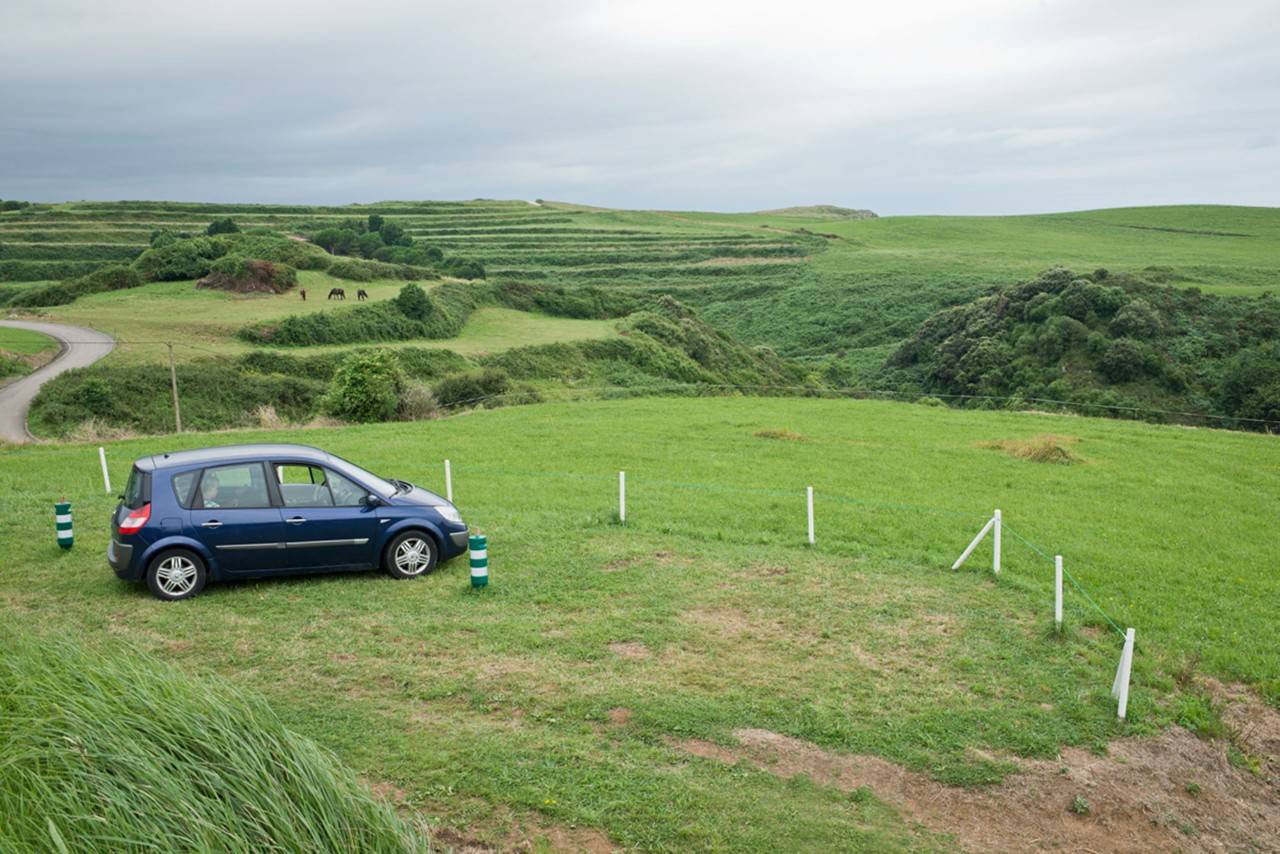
(337, 293)
(361, 295)
(302, 292)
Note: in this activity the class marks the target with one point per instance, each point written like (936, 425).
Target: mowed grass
(706, 612)
(25, 342)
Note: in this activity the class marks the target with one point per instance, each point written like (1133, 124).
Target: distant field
(809, 287)
(610, 675)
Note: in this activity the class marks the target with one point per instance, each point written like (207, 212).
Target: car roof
(231, 454)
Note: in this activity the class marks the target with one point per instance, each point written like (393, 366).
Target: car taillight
(133, 523)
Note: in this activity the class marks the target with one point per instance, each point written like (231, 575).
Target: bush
(1124, 360)
(412, 302)
(367, 387)
(352, 271)
(162, 237)
(336, 241)
(417, 403)
(281, 250)
(112, 278)
(222, 226)
(215, 394)
(249, 275)
(462, 268)
(369, 243)
(108, 751)
(471, 388)
(183, 259)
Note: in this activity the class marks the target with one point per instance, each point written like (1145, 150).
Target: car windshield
(379, 485)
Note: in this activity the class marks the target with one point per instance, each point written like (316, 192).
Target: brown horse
(337, 293)
(302, 292)
(361, 295)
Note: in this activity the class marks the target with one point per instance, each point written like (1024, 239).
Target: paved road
(80, 347)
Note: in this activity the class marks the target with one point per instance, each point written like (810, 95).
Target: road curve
(81, 347)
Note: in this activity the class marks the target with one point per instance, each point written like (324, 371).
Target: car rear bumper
(120, 556)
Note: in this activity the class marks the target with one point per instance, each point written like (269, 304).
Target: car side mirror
(372, 500)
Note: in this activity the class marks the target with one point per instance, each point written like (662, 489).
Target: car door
(232, 514)
(328, 525)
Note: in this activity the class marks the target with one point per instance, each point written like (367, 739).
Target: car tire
(410, 555)
(176, 574)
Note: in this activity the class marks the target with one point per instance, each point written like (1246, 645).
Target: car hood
(418, 495)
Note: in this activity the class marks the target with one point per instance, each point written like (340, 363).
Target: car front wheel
(411, 554)
(176, 574)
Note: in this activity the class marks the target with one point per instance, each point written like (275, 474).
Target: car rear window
(137, 491)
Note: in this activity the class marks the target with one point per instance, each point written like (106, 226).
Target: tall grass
(111, 752)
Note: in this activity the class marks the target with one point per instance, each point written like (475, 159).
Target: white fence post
(448, 482)
(622, 496)
(1057, 592)
(995, 544)
(973, 545)
(1120, 687)
(809, 501)
(106, 478)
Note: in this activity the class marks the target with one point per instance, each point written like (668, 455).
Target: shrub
(369, 243)
(392, 235)
(112, 278)
(1138, 319)
(367, 387)
(183, 259)
(1124, 360)
(280, 250)
(352, 271)
(249, 275)
(375, 222)
(412, 302)
(462, 268)
(471, 388)
(162, 237)
(417, 403)
(222, 226)
(112, 750)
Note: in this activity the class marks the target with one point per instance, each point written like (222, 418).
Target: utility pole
(173, 384)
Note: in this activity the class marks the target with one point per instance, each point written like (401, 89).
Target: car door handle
(295, 520)
(212, 523)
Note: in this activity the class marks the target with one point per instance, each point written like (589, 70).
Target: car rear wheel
(411, 554)
(176, 574)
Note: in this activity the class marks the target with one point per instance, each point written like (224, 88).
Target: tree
(413, 302)
(391, 234)
(375, 222)
(222, 226)
(369, 243)
(336, 241)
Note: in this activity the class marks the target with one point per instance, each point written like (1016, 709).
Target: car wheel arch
(406, 527)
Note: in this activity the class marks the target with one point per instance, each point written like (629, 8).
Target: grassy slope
(864, 644)
(24, 341)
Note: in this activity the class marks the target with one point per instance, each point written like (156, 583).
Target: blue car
(248, 511)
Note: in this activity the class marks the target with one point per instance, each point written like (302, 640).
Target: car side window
(346, 492)
(243, 486)
(184, 487)
(303, 485)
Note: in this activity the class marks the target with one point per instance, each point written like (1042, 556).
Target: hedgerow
(112, 278)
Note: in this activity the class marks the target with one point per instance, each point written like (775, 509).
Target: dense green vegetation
(562, 696)
(662, 344)
(831, 288)
(109, 750)
(1103, 341)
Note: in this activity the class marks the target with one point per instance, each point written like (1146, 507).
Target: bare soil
(1173, 792)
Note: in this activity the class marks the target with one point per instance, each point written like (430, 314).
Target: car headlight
(449, 513)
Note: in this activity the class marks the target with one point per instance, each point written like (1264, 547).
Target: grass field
(599, 679)
(759, 277)
(25, 342)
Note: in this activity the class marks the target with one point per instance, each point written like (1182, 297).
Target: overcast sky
(907, 106)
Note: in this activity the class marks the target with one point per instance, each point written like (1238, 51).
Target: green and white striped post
(479, 560)
(62, 523)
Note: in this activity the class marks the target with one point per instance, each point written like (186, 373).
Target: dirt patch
(629, 649)
(778, 433)
(619, 716)
(1039, 449)
(662, 558)
(527, 838)
(1255, 725)
(1138, 798)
